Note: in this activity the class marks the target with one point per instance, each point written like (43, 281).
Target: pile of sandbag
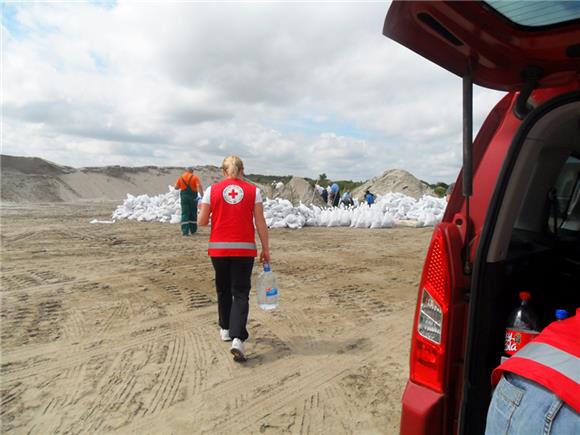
(143, 208)
(388, 210)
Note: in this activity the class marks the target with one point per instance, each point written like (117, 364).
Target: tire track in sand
(171, 379)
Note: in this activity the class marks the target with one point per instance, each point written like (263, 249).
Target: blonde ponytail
(233, 166)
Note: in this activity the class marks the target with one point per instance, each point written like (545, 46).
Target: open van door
(499, 43)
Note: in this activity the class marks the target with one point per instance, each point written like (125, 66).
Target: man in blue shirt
(369, 197)
(346, 198)
(334, 189)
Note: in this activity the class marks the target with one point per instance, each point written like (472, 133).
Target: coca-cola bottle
(522, 326)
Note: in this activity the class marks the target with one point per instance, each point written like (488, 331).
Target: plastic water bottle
(267, 289)
(522, 326)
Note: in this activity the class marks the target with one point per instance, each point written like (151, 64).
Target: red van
(513, 220)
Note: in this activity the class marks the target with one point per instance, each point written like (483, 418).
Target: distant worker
(234, 206)
(369, 197)
(189, 188)
(330, 195)
(335, 190)
(449, 191)
(324, 195)
(347, 199)
(538, 390)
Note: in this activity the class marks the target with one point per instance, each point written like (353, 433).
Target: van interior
(534, 245)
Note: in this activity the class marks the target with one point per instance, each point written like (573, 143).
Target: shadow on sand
(269, 349)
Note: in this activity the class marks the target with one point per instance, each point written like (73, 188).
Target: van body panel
(421, 415)
(457, 320)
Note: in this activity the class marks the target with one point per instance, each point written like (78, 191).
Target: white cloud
(292, 88)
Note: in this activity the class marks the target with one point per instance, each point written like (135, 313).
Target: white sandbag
(391, 209)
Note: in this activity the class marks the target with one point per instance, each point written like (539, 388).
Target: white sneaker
(237, 350)
(225, 335)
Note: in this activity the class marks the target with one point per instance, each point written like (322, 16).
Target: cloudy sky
(292, 88)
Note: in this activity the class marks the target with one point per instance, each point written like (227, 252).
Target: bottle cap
(525, 296)
(267, 267)
(561, 314)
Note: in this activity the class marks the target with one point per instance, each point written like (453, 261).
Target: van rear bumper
(422, 411)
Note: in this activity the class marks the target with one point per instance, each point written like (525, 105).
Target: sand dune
(30, 179)
(394, 180)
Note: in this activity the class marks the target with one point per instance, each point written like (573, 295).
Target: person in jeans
(538, 389)
(234, 205)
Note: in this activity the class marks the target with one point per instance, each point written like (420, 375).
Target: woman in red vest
(234, 206)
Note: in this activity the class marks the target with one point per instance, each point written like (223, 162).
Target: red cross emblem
(233, 194)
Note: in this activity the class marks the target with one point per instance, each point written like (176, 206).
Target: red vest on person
(552, 360)
(232, 219)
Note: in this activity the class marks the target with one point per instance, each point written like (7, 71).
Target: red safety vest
(552, 360)
(232, 219)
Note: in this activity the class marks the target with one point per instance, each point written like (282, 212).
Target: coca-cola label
(515, 340)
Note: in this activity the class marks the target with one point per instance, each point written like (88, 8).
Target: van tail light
(431, 317)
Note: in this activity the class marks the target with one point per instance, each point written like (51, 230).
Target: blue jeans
(523, 407)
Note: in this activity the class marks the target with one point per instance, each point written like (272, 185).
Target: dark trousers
(336, 200)
(188, 212)
(233, 280)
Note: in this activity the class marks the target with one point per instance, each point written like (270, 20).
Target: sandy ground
(113, 329)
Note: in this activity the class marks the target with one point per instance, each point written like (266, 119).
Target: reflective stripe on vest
(231, 245)
(563, 362)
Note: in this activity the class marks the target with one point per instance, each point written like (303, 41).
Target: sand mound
(32, 180)
(298, 190)
(394, 180)
(31, 165)
(26, 179)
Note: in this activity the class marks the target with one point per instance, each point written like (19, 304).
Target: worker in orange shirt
(189, 188)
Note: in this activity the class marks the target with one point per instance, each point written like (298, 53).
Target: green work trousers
(188, 211)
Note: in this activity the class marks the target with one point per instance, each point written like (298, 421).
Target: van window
(565, 198)
(537, 13)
